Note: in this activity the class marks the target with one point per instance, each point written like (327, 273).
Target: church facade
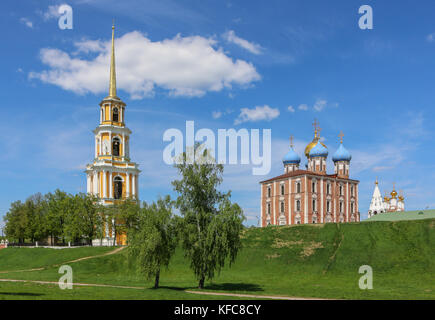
(112, 176)
(312, 195)
(379, 205)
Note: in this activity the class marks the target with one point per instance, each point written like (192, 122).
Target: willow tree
(211, 225)
(152, 240)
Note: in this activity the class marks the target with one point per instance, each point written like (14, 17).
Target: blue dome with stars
(318, 150)
(291, 157)
(341, 154)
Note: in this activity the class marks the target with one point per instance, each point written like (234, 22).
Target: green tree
(16, 222)
(57, 205)
(211, 225)
(152, 240)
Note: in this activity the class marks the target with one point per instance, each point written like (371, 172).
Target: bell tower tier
(112, 176)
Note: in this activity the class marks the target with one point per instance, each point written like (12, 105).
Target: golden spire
(341, 135)
(394, 193)
(376, 182)
(112, 84)
(316, 127)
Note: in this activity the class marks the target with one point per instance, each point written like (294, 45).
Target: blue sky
(208, 61)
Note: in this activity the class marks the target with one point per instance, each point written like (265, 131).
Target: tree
(211, 225)
(16, 221)
(152, 240)
(57, 205)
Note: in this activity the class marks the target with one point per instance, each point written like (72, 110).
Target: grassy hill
(405, 215)
(306, 261)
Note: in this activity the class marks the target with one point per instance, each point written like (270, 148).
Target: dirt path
(72, 261)
(187, 291)
(74, 284)
(240, 295)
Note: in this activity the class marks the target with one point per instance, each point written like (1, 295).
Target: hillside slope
(306, 260)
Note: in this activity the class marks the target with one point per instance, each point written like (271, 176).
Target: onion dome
(319, 150)
(312, 144)
(291, 157)
(341, 154)
(386, 199)
(393, 194)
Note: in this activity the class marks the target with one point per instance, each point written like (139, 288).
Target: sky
(223, 64)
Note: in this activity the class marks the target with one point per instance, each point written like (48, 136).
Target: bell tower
(112, 177)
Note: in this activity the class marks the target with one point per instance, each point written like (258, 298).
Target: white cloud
(291, 109)
(252, 47)
(430, 37)
(27, 22)
(257, 114)
(303, 107)
(52, 12)
(320, 105)
(185, 66)
(216, 114)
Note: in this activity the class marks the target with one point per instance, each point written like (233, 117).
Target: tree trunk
(201, 283)
(156, 282)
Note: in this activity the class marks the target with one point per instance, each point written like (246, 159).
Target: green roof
(404, 215)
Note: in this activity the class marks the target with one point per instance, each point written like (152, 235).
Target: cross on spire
(341, 135)
(317, 129)
(291, 141)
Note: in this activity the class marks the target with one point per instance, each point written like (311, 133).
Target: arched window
(117, 187)
(298, 187)
(314, 205)
(268, 208)
(282, 189)
(115, 116)
(115, 146)
(268, 192)
(298, 205)
(282, 207)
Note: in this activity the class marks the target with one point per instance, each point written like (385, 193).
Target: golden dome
(312, 144)
(393, 194)
(401, 198)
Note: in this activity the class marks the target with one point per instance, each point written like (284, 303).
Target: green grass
(405, 215)
(306, 261)
(14, 258)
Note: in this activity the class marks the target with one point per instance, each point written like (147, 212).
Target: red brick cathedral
(311, 196)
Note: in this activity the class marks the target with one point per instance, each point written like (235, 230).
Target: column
(128, 184)
(347, 202)
(104, 184)
(88, 183)
(321, 201)
(134, 185)
(110, 185)
(261, 206)
(123, 144)
(289, 201)
(137, 186)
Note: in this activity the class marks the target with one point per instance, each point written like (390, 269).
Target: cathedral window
(341, 190)
(328, 189)
(115, 116)
(268, 208)
(298, 187)
(314, 205)
(341, 206)
(117, 187)
(351, 207)
(282, 189)
(282, 207)
(116, 143)
(328, 205)
(313, 187)
(298, 205)
(268, 192)
(351, 190)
